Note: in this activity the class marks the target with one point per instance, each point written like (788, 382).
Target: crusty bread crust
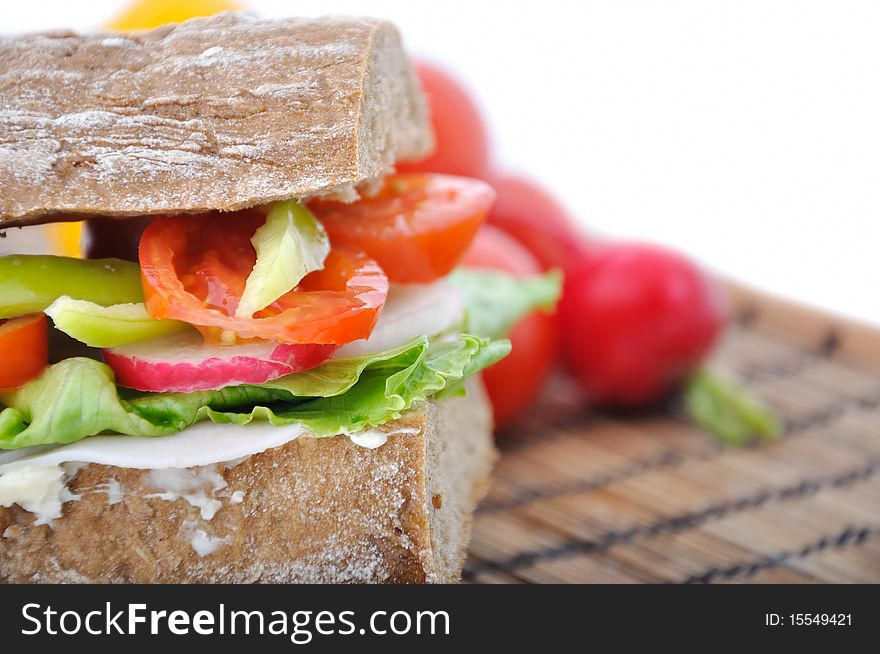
(217, 113)
(313, 510)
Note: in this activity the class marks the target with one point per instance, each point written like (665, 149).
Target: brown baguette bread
(313, 510)
(215, 113)
(219, 114)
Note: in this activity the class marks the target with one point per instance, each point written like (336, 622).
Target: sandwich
(267, 369)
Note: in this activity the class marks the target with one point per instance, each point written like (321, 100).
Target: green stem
(729, 410)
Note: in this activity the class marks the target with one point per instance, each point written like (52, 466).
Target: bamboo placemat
(584, 497)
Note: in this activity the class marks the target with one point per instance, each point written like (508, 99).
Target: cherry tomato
(194, 269)
(461, 143)
(514, 382)
(530, 214)
(417, 227)
(636, 320)
(24, 349)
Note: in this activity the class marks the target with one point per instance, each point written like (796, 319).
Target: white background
(746, 133)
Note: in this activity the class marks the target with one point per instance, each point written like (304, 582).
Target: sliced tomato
(417, 227)
(194, 269)
(24, 349)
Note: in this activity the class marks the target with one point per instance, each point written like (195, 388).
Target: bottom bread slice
(312, 510)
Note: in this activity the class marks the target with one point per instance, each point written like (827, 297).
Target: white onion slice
(411, 310)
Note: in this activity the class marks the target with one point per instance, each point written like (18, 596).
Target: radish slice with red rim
(183, 363)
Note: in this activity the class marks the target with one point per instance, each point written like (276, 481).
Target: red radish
(183, 363)
(636, 321)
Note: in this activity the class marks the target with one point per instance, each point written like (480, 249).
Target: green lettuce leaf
(495, 301)
(77, 398)
(290, 245)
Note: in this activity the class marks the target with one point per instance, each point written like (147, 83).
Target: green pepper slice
(30, 283)
(112, 326)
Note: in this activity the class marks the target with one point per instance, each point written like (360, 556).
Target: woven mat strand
(584, 498)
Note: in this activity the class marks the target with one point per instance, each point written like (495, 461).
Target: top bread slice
(218, 113)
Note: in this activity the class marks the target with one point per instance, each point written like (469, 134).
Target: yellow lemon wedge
(139, 15)
(146, 14)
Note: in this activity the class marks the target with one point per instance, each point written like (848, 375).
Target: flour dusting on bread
(172, 121)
